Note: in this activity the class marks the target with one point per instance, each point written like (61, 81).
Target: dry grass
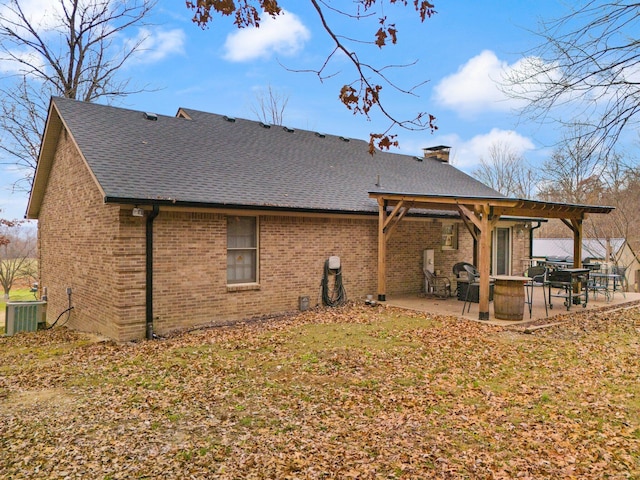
(346, 393)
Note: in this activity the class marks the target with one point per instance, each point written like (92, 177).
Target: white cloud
(158, 44)
(42, 14)
(12, 207)
(12, 204)
(11, 66)
(466, 154)
(475, 87)
(284, 35)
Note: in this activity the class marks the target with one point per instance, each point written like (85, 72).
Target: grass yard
(16, 294)
(356, 392)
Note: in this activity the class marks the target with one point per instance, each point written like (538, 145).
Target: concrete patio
(453, 307)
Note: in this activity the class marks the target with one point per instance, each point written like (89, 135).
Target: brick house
(158, 222)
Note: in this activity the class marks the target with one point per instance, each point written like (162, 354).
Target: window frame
(256, 249)
(449, 236)
(506, 252)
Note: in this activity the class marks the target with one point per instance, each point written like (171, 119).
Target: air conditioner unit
(23, 316)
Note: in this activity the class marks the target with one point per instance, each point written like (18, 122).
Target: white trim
(494, 250)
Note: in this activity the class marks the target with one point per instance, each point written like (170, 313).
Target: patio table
(508, 296)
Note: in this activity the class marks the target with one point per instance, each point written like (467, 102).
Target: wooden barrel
(508, 299)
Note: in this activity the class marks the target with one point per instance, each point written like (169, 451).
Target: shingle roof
(210, 160)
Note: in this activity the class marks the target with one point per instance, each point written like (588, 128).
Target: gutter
(268, 208)
(149, 271)
(531, 229)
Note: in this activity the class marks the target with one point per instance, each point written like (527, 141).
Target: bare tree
(362, 94)
(17, 251)
(585, 68)
(573, 173)
(507, 171)
(611, 180)
(621, 189)
(73, 51)
(270, 105)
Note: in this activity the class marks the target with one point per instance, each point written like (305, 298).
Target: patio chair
(621, 279)
(458, 268)
(599, 283)
(473, 287)
(439, 286)
(461, 278)
(538, 277)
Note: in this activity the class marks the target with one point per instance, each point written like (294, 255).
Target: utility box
(303, 303)
(23, 316)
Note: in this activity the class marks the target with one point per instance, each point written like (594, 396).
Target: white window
(242, 250)
(502, 251)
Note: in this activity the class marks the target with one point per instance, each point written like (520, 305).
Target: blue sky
(461, 52)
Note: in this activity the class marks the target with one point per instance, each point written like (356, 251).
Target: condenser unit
(23, 316)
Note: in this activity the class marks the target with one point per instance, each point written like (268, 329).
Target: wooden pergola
(480, 215)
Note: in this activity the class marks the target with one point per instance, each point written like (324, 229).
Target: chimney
(439, 152)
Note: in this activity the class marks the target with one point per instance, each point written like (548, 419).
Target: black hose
(68, 309)
(63, 312)
(339, 295)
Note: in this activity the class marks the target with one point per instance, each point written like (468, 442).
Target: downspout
(149, 271)
(531, 229)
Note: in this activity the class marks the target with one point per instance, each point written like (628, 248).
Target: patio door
(501, 251)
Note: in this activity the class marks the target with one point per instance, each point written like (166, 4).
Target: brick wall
(129, 276)
(520, 251)
(190, 264)
(405, 250)
(190, 267)
(76, 233)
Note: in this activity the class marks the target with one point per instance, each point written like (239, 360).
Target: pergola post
(382, 251)
(577, 248)
(575, 224)
(480, 216)
(577, 242)
(386, 223)
(484, 263)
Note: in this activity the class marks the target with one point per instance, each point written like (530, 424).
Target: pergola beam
(393, 213)
(506, 206)
(468, 216)
(394, 219)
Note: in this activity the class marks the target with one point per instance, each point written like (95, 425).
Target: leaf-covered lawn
(357, 392)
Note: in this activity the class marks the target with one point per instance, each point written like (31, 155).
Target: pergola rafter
(480, 215)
